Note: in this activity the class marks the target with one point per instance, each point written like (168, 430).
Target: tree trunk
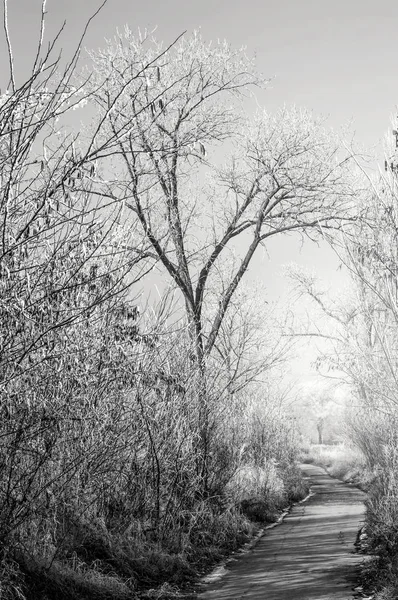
(319, 427)
(202, 450)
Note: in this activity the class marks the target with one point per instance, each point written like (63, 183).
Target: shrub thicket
(138, 445)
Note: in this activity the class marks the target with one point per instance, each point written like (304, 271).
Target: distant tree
(318, 411)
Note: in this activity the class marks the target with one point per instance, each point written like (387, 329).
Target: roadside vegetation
(142, 439)
(340, 461)
(363, 356)
(143, 436)
(377, 538)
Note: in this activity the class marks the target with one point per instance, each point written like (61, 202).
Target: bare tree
(172, 112)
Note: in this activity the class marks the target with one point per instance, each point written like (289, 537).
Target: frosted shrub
(262, 483)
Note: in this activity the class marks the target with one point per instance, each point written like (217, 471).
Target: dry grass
(341, 461)
(65, 583)
(11, 580)
(389, 592)
(98, 564)
(263, 492)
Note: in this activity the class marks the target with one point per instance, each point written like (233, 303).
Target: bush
(382, 516)
(77, 582)
(12, 581)
(296, 488)
(263, 492)
(341, 461)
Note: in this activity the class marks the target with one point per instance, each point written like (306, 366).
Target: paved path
(307, 557)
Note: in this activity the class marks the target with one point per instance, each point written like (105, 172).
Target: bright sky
(336, 57)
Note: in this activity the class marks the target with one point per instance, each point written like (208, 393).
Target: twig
(10, 57)
(41, 35)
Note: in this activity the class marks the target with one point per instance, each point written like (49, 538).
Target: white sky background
(337, 58)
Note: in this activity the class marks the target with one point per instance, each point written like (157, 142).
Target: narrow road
(310, 556)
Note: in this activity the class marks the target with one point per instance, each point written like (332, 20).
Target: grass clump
(341, 461)
(12, 581)
(264, 492)
(87, 557)
(382, 531)
(95, 563)
(65, 582)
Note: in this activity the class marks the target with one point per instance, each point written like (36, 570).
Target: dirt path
(307, 557)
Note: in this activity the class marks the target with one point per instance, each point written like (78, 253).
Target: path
(307, 557)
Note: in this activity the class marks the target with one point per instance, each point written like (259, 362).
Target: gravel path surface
(310, 556)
